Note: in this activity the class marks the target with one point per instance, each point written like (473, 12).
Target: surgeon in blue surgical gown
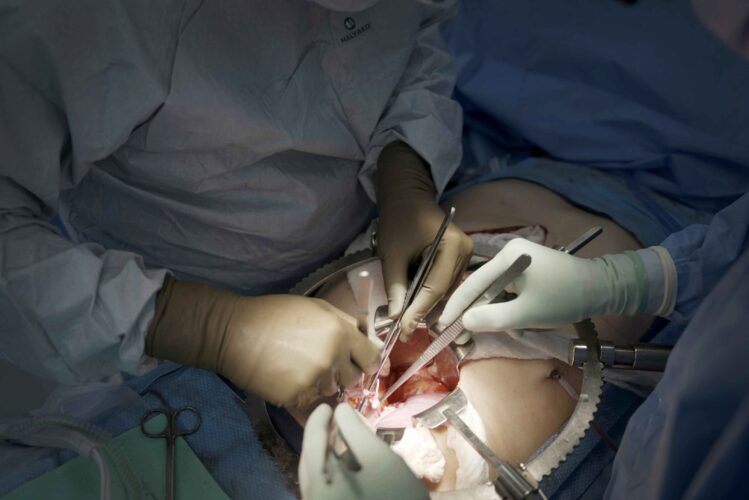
(202, 156)
(199, 152)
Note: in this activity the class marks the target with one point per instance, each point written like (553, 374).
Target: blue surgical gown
(690, 437)
(228, 141)
(640, 113)
(635, 111)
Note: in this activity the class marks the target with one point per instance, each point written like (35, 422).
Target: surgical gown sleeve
(421, 112)
(703, 252)
(689, 439)
(75, 79)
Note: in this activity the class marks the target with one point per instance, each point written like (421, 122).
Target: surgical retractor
(646, 357)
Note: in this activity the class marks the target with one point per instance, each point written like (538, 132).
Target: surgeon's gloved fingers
(472, 288)
(341, 314)
(358, 434)
(460, 268)
(309, 395)
(448, 265)
(365, 353)
(511, 315)
(326, 385)
(314, 444)
(348, 374)
(386, 473)
(378, 342)
(395, 275)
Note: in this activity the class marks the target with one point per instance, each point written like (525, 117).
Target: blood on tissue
(439, 376)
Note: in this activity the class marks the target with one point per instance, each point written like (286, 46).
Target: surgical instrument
(645, 357)
(509, 483)
(452, 331)
(421, 274)
(171, 432)
(338, 446)
(581, 241)
(492, 294)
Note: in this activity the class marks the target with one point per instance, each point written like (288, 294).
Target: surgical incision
(426, 387)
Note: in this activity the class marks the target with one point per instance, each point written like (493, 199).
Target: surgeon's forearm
(703, 252)
(409, 220)
(186, 314)
(71, 313)
(402, 175)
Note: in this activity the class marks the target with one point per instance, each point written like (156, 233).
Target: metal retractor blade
(579, 422)
(317, 278)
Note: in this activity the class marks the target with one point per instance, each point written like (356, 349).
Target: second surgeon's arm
(72, 312)
(557, 288)
(409, 221)
(78, 312)
(416, 149)
(702, 253)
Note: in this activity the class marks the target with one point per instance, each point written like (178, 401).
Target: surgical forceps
(421, 274)
(494, 293)
(171, 432)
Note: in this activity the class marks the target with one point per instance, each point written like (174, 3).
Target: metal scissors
(171, 432)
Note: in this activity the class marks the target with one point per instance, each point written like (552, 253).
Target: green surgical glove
(558, 288)
(409, 221)
(383, 474)
(289, 350)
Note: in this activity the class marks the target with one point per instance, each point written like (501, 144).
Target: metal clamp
(646, 357)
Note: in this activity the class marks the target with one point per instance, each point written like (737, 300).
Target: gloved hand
(558, 289)
(409, 220)
(287, 349)
(383, 474)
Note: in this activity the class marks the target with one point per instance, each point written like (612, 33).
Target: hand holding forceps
(171, 432)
